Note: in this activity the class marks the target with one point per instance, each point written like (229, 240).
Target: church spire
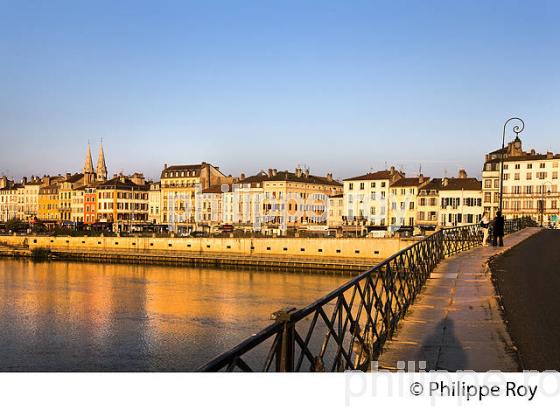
(88, 166)
(101, 166)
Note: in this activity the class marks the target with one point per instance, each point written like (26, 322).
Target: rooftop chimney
(306, 173)
(298, 172)
(392, 170)
(549, 155)
(329, 177)
(270, 174)
(462, 174)
(242, 176)
(138, 178)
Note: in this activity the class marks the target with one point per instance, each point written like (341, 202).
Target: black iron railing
(346, 329)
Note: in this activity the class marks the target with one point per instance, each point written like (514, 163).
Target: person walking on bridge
(498, 239)
(485, 226)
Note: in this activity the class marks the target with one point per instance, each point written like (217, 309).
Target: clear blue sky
(341, 86)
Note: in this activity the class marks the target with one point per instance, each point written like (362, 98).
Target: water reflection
(61, 316)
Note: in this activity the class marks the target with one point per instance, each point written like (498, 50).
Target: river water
(73, 316)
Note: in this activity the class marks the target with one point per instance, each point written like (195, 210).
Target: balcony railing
(346, 329)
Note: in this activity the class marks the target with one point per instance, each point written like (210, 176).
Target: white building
(460, 201)
(154, 203)
(366, 198)
(530, 186)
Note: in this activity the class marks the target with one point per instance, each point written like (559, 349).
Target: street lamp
(517, 129)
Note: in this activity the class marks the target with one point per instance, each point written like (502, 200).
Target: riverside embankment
(340, 254)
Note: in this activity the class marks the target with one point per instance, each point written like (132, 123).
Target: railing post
(285, 353)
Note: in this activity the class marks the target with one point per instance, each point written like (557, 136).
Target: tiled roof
(458, 184)
(529, 157)
(307, 179)
(196, 168)
(291, 177)
(122, 183)
(74, 178)
(216, 189)
(434, 184)
(453, 184)
(410, 182)
(374, 176)
(260, 177)
(52, 188)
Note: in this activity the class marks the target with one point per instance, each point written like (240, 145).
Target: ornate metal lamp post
(517, 129)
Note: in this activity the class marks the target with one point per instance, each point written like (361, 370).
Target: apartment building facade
(404, 203)
(179, 187)
(460, 201)
(367, 198)
(530, 184)
(123, 202)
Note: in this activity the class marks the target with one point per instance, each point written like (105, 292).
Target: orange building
(90, 205)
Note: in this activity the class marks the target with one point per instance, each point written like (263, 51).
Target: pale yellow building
(299, 197)
(154, 203)
(427, 217)
(403, 210)
(65, 189)
(77, 205)
(272, 201)
(179, 186)
(530, 187)
(8, 201)
(336, 211)
(367, 199)
(28, 199)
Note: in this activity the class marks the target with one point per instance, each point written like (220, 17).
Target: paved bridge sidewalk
(456, 323)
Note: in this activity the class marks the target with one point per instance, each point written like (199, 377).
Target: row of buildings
(201, 197)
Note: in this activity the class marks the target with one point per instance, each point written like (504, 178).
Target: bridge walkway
(456, 321)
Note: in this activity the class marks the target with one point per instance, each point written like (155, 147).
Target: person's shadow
(441, 350)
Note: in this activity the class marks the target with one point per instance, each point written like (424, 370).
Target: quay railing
(346, 329)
